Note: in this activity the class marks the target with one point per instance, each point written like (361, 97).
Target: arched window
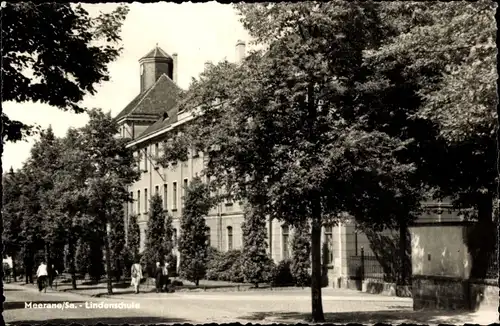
(229, 238)
(285, 242)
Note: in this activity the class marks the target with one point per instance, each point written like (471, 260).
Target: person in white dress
(136, 273)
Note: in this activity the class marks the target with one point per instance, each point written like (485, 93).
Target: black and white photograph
(255, 163)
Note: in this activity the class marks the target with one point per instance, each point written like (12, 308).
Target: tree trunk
(316, 277)
(197, 283)
(108, 264)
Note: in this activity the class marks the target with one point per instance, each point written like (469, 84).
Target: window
(174, 238)
(184, 191)
(207, 233)
(229, 238)
(329, 245)
(157, 150)
(131, 204)
(157, 190)
(145, 159)
(174, 196)
(145, 200)
(165, 196)
(138, 201)
(285, 240)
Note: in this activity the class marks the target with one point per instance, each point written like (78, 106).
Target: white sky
(197, 32)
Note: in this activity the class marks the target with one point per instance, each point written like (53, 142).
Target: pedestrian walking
(52, 275)
(136, 273)
(158, 274)
(41, 275)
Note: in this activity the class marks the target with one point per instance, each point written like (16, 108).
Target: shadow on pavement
(84, 288)
(6, 290)
(105, 320)
(367, 317)
(11, 305)
(141, 291)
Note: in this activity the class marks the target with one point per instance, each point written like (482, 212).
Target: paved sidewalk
(267, 307)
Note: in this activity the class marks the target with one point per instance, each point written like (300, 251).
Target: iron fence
(492, 268)
(365, 266)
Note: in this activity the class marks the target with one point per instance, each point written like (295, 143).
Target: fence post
(362, 263)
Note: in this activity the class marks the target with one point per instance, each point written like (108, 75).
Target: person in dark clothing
(52, 274)
(158, 277)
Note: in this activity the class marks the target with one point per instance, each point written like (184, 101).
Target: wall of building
(440, 250)
(153, 69)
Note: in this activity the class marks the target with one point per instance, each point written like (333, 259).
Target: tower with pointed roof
(157, 97)
(153, 65)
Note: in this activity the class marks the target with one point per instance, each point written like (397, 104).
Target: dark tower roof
(157, 52)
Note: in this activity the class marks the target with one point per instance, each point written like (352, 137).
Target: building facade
(151, 119)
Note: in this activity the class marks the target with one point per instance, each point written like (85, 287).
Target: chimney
(240, 51)
(174, 73)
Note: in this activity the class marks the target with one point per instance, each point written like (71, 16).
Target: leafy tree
(63, 47)
(193, 245)
(82, 257)
(301, 255)
(168, 241)
(451, 131)
(37, 209)
(69, 180)
(256, 264)
(45, 162)
(113, 169)
(11, 217)
(155, 235)
(275, 127)
(117, 245)
(133, 237)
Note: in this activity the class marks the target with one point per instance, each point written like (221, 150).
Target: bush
(214, 258)
(282, 274)
(235, 273)
(177, 283)
(225, 266)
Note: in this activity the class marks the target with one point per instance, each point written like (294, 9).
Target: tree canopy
(54, 53)
(343, 112)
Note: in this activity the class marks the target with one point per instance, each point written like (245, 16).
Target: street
(340, 306)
